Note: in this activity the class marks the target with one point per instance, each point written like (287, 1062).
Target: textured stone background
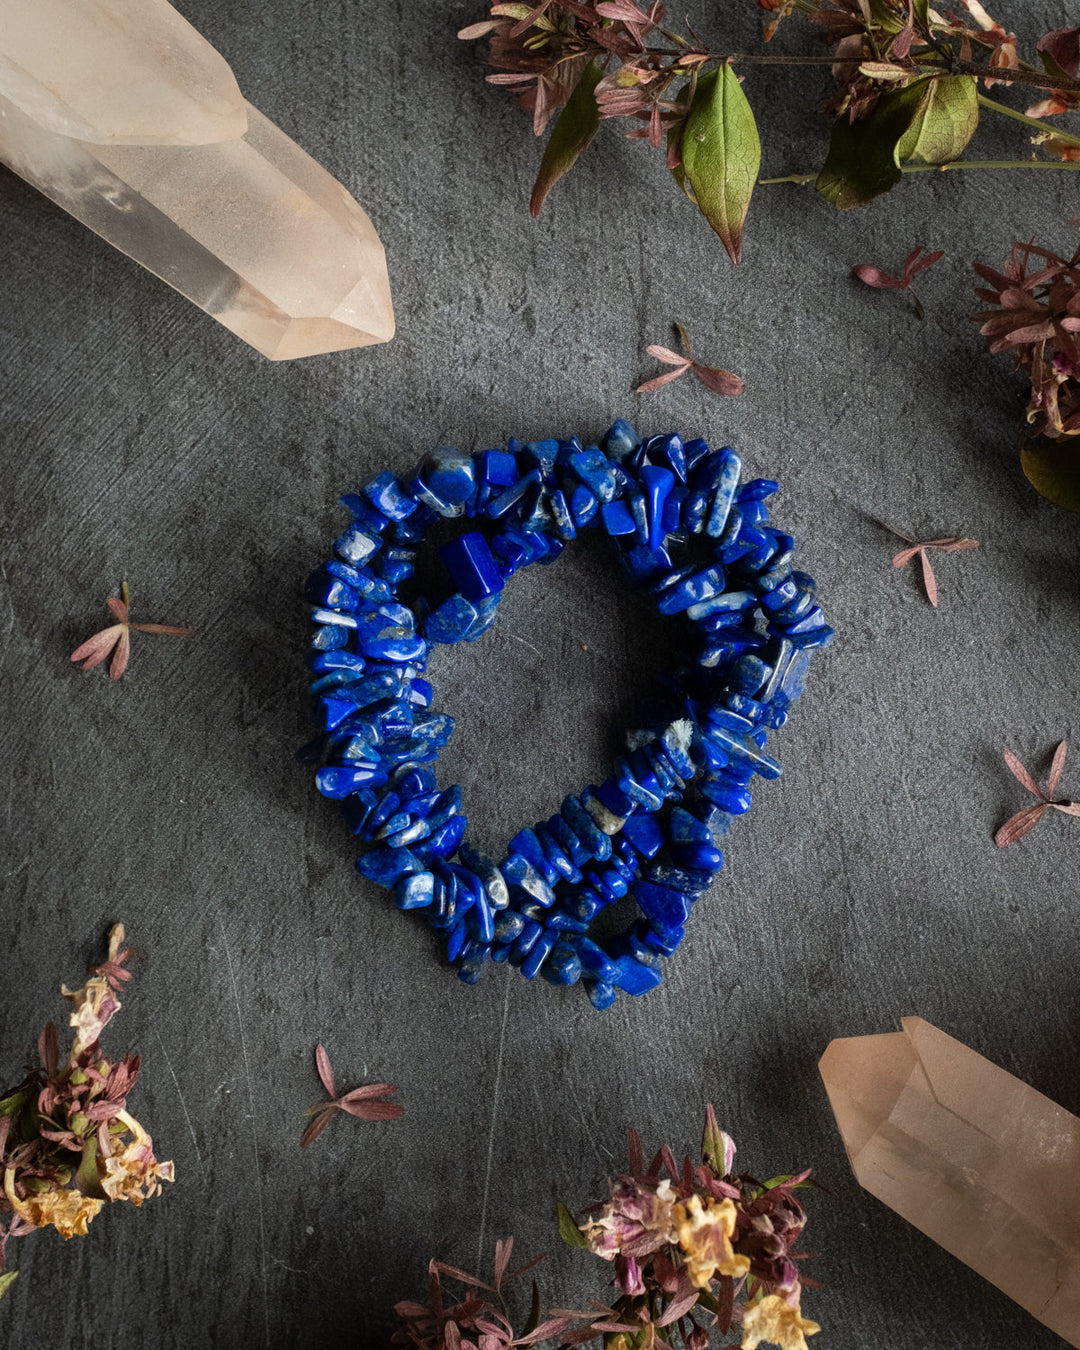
(143, 441)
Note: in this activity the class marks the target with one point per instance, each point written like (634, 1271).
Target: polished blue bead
(500, 504)
(693, 511)
(329, 637)
(538, 953)
(472, 965)
(346, 664)
(645, 564)
(450, 477)
(583, 506)
(694, 451)
(356, 545)
(595, 959)
(663, 941)
(329, 711)
(644, 833)
(725, 600)
(387, 865)
(694, 590)
(470, 562)
(410, 833)
(667, 451)
(672, 517)
(497, 468)
(683, 828)
(443, 842)
(676, 740)
(337, 781)
(699, 857)
(601, 994)
(523, 878)
(780, 595)
(563, 966)
(561, 514)
(758, 489)
(616, 518)
(459, 935)
(820, 636)
(508, 926)
(528, 845)
(663, 907)
(568, 841)
(334, 617)
(481, 921)
(594, 469)
(657, 483)
(639, 510)
(330, 592)
(499, 954)
(451, 621)
(726, 487)
(392, 643)
(748, 675)
(555, 856)
(542, 454)
(364, 513)
(646, 795)
(616, 801)
(415, 891)
(689, 881)
(384, 812)
(494, 882)
(633, 977)
(387, 495)
(621, 440)
(735, 800)
(609, 821)
(531, 930)
(564, 922)
(356, 809)
(592, 837)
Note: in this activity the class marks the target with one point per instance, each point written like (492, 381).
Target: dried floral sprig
(117, 637)
(68, 1143)
(1017, 826)
(908, 97)
(481, 1318)
(1035, 315)
(712, 377)
(952, 544)
(918, 260)
(697, 1248)
(365, 1103)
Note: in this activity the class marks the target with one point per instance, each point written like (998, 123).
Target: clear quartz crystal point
(123, 115)
(976, 1159)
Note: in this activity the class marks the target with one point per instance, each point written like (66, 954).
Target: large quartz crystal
(980, 1162)
(125, 116)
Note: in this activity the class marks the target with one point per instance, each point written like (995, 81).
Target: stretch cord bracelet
(702, 547)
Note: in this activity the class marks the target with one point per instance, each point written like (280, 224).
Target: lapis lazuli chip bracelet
(694, 540)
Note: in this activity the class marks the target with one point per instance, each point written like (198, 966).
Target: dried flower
(687, 1242)
(776, 1321)
(953, 544)
(366, 1103)
(918, 260)
(117, 638)
(1017, 826)
(712, 377)
(64, 1144)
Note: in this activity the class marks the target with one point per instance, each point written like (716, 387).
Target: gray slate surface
(142, 441)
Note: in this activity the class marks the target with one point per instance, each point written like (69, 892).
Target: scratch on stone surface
(491, 1132)
(183, 1104)
(526, 644)
(254, 1132)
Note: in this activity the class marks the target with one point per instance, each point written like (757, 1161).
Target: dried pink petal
(719, 381)
(929, 580)
(95, 649)
(1017, 826)
(1057, 767)
(326, 1073)
(122, 654)
(1022, 776)
(874, 276)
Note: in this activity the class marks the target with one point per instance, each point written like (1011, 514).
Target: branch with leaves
(68, 1143)
(696, 1250)
(908, 97)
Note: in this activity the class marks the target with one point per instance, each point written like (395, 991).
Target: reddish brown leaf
(905, 556)
(326, 1073)
(1057, 767)
(166, 629)
(315, 1128)
(372, 1110)
(95, 649)
(118, 608)
(929, 580)
(122, 655)
(502, 1260)
(719, 381)
(1067, 808)
(1017, 826)
(874, 276)
(1022, 776)
(661, 380)
(455, 1274)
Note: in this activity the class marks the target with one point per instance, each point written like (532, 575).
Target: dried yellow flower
(67, 1211)
(776, 1322)
(705, 1233)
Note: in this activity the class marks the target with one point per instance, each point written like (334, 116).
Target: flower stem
(1029, 121)
(943, 168)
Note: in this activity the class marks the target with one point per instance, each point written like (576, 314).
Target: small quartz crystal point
(976, 1159)
(121, 113)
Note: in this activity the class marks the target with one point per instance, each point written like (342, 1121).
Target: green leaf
(570, 1233)
(721, 154)
(576, 126)
(88, 1177)
(6, 1281)
(533, 1320)
(945, 123)
(921, 13)
(862, 161)
(1053, 468)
